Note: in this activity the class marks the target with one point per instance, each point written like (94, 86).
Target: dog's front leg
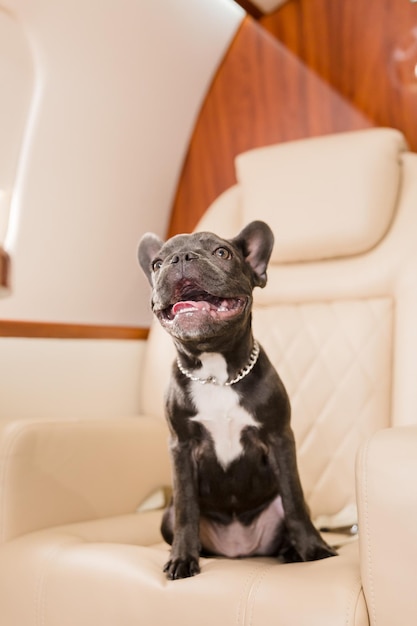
(305, 542)
(185, 549)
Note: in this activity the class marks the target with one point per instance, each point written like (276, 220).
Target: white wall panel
(118, 86)
(61, 378)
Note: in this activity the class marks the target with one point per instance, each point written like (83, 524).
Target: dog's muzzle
(201, 304)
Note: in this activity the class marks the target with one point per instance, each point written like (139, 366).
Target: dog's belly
(219, 411)
(260, 538)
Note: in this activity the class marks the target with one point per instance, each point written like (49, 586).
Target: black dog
(236, 486)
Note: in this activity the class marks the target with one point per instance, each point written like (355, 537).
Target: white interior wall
(17, 83)
(61, 378)
(115, 91)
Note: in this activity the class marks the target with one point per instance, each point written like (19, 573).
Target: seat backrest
(337, 317)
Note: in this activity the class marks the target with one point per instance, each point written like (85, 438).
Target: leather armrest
(387, 505)
(60, 472)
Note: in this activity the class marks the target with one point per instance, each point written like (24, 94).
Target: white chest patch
(219, 411)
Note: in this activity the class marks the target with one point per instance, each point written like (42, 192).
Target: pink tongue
(189, 305)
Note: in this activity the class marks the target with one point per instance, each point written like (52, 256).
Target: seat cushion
(109, 572)
(324, 197)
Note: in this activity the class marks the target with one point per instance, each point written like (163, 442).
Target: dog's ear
(149, 246)
(256, 241)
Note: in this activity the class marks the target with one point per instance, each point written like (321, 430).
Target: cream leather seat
(338, 319)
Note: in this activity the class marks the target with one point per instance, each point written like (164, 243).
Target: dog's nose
(186, 256)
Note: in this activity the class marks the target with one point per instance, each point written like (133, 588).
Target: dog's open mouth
(202, 302)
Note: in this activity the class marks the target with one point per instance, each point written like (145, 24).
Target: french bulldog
(236, 487)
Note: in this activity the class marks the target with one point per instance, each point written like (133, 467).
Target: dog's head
(202, 284)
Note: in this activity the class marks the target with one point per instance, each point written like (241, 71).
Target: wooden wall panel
(250, 8)
(262, 94)
(365, 49)
(4, 269)
(50, 330)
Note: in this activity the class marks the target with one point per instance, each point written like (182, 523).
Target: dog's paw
(320, 550)
(181, 568)
(308, 546)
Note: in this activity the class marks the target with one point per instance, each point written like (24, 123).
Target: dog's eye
(223, 253)
(156, 265)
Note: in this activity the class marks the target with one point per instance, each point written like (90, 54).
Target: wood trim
(51, 330)
(251, 9)
(4, 269)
